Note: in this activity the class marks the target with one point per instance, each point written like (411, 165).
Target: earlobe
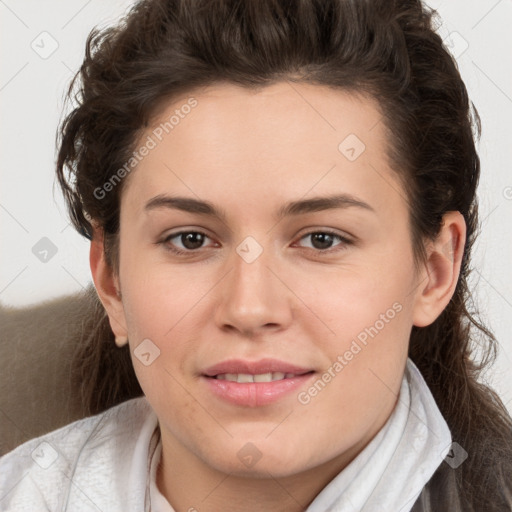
(121, 341)
(441, 271)
(107, 287)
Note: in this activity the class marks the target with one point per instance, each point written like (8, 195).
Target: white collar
(393, 468)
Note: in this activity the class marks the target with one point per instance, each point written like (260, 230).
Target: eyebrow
(315, 204)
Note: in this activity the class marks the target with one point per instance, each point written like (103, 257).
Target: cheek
(159, 299)
(345, 301)
(369, 319)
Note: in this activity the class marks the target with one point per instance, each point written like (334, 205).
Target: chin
(259, 459)
(260, 470)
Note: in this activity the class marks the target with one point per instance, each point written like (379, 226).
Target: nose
(254, 298)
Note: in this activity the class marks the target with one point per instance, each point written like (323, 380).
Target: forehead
(283, 139)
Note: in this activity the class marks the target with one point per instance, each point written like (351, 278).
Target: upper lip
(254, 367)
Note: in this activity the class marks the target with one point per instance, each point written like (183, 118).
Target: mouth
(267, 369)
(254, 383)
(243, 378)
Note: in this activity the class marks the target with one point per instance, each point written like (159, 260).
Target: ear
(441, 272)
(108, 288)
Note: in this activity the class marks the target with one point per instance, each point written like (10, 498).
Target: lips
(261, 367)
(254, 383)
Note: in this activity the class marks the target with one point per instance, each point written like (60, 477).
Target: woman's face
(276, 339)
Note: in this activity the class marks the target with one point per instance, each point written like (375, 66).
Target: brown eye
(323, 241)
(185, 241)
(192, 240)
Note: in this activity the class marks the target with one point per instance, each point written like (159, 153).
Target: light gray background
(42, 45)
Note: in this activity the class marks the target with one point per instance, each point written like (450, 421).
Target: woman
(281, 203)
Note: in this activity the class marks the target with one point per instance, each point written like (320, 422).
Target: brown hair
(387, 49)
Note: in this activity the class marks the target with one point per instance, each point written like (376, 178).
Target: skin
(249, 153)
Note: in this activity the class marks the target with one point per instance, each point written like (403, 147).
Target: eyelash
(342, 246)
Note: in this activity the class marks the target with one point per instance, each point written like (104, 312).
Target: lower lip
(255, 394)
